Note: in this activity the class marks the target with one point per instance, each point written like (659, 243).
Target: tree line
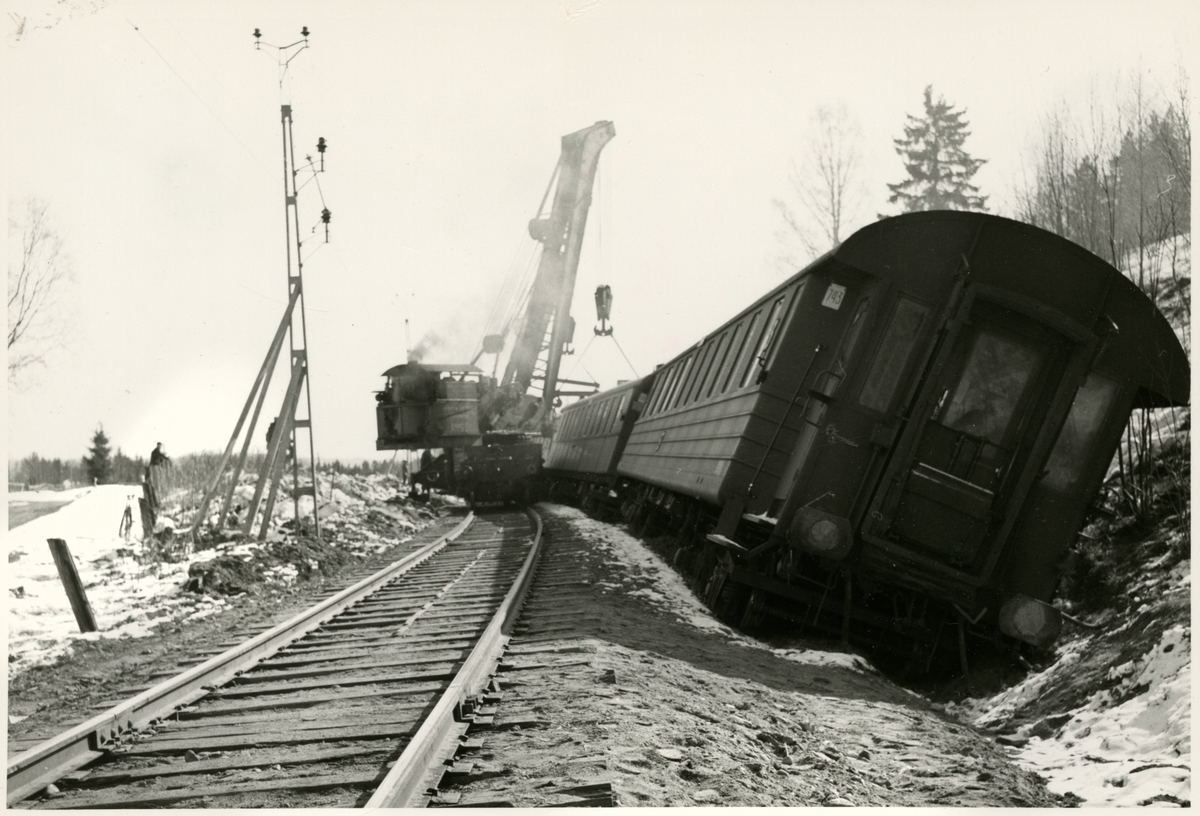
(101, 465)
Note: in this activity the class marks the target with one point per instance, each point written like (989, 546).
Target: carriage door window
(993, 380)
(894, 352)
(981, 411)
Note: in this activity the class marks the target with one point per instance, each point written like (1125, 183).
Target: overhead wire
(199, 99)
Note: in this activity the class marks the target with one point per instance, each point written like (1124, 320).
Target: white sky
(152, 130)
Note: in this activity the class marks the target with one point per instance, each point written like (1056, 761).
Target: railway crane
(491, 433)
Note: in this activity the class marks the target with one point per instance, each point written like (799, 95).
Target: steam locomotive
(900, 441)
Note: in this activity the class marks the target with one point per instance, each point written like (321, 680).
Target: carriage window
(992, 382)
(661, 382)
(746, 349)
(735, 349)
(676, 377)
(668, 384)
(1074, 445)
(677, 389)
(894, 352)
(851, 340)
(794, 306)
(714, 372)
(689, 383)
(702, 371)
(759, 360)
(665, 383)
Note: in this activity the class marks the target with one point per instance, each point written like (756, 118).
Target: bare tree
(827, 183)
(1117, 180)
(37, 268)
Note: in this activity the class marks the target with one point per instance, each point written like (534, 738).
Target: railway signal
(281, 446)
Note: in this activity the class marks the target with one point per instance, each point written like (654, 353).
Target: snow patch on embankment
(132, 591)
(127, 599)
(1129, 743)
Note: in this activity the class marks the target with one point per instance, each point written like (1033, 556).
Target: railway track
(357, 701)
(551, 654)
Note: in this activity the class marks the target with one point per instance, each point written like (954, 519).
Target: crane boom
(561, 235)
(486, 430)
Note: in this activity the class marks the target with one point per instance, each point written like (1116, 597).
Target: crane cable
(516, 289)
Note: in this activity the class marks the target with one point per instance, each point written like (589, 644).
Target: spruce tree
(99, 464)
(939, 170)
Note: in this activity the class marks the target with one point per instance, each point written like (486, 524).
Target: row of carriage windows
(738, 355)
(731, 360)
(597, 418)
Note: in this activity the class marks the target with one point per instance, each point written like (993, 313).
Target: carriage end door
(978, 414)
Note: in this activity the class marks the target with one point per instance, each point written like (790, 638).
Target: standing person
(153, 486)
(158, 456)
(291, 448)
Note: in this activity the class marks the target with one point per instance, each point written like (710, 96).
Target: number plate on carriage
(833, 296)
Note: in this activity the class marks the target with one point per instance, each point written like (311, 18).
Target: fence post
(74, 586)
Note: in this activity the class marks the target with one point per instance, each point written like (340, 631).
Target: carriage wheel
(755, 614)
(723, 595)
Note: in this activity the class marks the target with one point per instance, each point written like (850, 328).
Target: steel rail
(49, 761)
(401, 786)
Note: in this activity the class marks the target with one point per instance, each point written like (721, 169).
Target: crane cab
(428, 406)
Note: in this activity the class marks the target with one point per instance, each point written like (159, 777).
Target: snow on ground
(1124, 747)
(1127, 745)
(664, 588)
(24, 496)
(127, 599)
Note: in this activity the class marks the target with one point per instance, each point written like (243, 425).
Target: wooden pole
(74, 586)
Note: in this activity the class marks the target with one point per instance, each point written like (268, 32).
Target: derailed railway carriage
(902, 438)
